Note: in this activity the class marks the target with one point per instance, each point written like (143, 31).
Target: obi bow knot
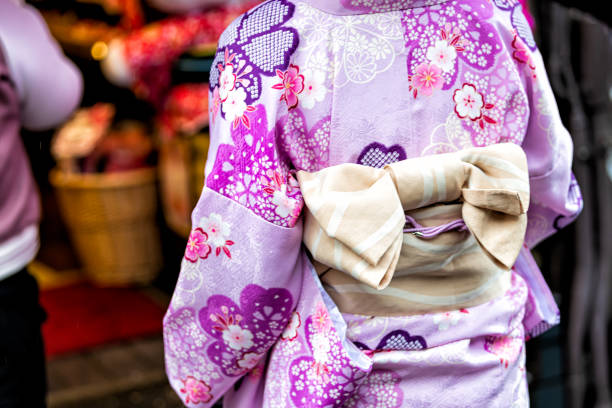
(356, 215)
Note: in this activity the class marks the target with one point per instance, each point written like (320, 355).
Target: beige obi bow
(356, 214)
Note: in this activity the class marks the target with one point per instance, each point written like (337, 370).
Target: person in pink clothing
(39, 88)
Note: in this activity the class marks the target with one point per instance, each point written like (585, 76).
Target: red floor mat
(82, 316)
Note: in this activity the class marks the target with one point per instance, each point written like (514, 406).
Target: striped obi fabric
(427, 234)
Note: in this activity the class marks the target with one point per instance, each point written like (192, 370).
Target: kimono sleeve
(555, 196)
(242, 271)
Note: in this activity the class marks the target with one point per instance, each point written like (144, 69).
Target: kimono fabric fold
(378, 172)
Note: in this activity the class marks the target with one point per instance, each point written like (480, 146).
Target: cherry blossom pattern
(292, 84)
(243, 334)
(464, 36)
(253, 46)
(427, 77)
(240, 168)
(197, 248)
(184, 340)
(306, 149)
(507, 348)
(196, 391)
(325, 377)
(522, 55)
(378, 155)
(275, 185)
(231, 99)
(518, 20)
(218, 232)
(291, 331)
(314, 88)
(445, 320)
(444, 51)
(470, 104)
(381, 388)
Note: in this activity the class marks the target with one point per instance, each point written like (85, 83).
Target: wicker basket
(111, 220)
(181, 176)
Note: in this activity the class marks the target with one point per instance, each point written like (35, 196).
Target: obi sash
(422, 235)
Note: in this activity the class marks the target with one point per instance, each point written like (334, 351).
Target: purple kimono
(303, 85)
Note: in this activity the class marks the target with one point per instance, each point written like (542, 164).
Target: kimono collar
(347, 7)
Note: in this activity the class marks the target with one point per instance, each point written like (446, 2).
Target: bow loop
(355, 216)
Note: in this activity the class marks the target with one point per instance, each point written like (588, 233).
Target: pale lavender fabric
(39, 88)
(308, 84)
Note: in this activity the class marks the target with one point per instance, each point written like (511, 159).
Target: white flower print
(366, 45)
(249, 360)
(291, 331)
(237, 338)
(235, 105)
(443, 55)
(320, 347)
(447, 319)
(468, 102)
(217, 230)
(314, 88)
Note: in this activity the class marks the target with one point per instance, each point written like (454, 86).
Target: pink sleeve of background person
(49, 85)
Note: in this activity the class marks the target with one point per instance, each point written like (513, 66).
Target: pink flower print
(227, 81)
(507, 348)
(215, 105)
(285, 205)
(522, 55)
(427, 78)
(275, 183)
(443, 55)
(320, 319)
(249, 360)
(197, 391)
(217, 231)
(291, 331)
(320, 371)
(292, 84)
(197, 246)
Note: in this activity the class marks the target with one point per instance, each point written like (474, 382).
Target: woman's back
(312, 84)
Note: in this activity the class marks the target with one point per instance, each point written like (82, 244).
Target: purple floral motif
(518, 20)
(305, 149)
(243, 171)
(381, 389)
(245, 333)
(383, 6)
(378, 155)
(326, 377)
(397, 340)
(435, 31)
(259, 44)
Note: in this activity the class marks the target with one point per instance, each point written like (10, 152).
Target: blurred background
(118, 182)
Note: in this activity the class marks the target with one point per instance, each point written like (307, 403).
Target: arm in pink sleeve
(49, 85)
(555, 195)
